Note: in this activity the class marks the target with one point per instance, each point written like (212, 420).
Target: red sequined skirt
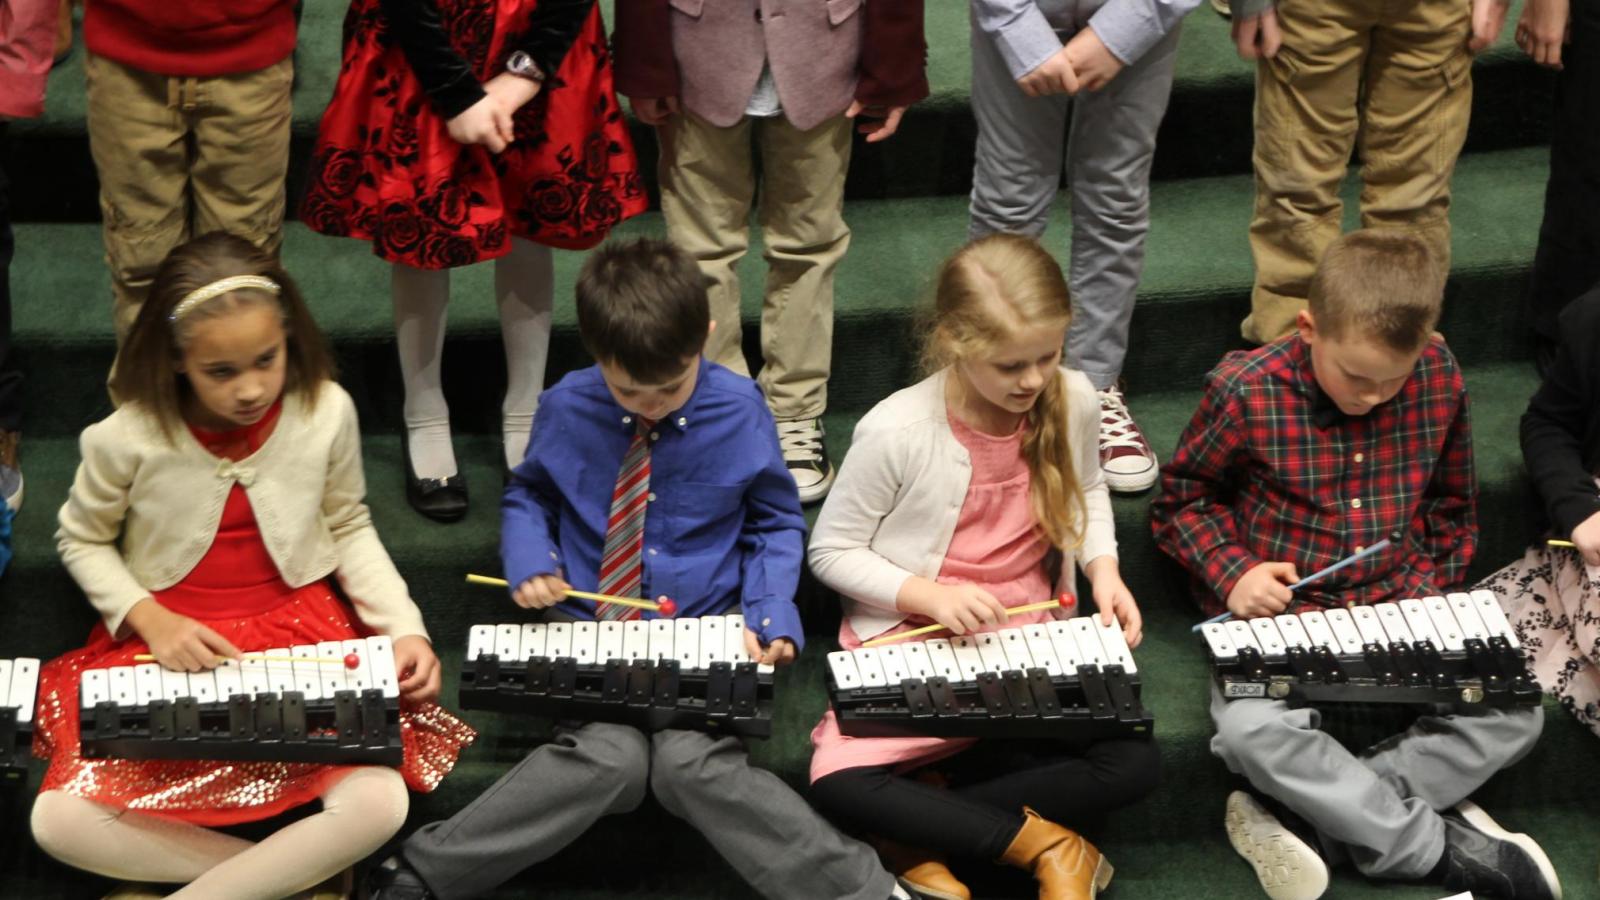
(214, 793)
(386, 170)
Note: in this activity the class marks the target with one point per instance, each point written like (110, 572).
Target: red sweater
(198, 38)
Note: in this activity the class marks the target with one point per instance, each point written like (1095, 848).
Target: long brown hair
(145, 373)
(989, 291)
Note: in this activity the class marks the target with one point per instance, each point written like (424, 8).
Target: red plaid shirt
(1269, 469)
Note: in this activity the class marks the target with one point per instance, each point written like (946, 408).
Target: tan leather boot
(63, 31)
(1066, 866)
(923, 870)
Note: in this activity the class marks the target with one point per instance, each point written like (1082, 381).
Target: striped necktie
(622, 564)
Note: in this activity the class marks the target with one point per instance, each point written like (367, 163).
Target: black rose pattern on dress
(1554, 606)
(337, 173)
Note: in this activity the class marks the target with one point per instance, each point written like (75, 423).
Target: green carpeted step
(1207, 130)
(1195, 291)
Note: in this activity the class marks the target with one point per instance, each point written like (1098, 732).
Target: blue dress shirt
(723, 522)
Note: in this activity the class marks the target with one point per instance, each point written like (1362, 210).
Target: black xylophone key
(107, 722)
(1044, 694)
(1304, 665)
(346, 719)
(993, 694)
(1487, 665)
(1123, 703)
(1251, 664)
(186, 718)
(746, 684)
(1407, 667)
(1019, 694)
(486, 671)
(1379, 664)
(945, 703)
(1095, 694)
(666, 693)
(8, 728)
(1328, 665)
(563, 677)
(614, 684)
(719, 688)
(919, 702)
(374, 718)
(269, 718)
(641, 682)
(536, 676)
(1433, 665)
(293, 708)
(162, 726)
(241, 718)
(1524, 688)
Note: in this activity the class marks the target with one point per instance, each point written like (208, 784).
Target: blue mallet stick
(1347, 561)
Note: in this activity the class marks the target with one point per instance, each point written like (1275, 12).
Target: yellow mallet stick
(1558, 542)
(665, 607)
(1063, 600)
(350, 661)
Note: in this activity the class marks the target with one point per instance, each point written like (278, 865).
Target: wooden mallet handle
(1063, 600)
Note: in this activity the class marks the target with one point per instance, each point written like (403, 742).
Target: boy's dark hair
(642, 305)
(1379, 285)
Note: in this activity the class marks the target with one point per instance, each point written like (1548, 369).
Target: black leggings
(979, 812)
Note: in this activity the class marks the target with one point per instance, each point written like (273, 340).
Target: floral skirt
(1553, 601)
(386, 170)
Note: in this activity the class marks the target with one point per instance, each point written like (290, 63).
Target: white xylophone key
(943, 657)
(480, 641)
(1494, 617)
(1444, 622)
(1015, 644)
(1216, 635)
(1366, 620)
(968, 658)
(1344, 629)
(1268, 638)
(279, 670)
(174, 684)
(230, 680)
(991, 652)
(1467, 614)
(380, 649)
(894, 664)
(918, 663)
(635, 640)
(585, 642)
(1242, 635)
(147, 683)
(508, 641)
(733, 639)
(119, 685)
(333, 677)
(1318, 632)
(1042, 649)
(307, 674)
(661, 631)
(1394, 624)
(1066, 646)
(686, 643)
(534, 637)
(24, 687)
(92, 685)
(872, 674)
(843, 666)
(1420, 623)
(558, 640)
(609, 646)
(712, 642)
(203, 686)
(1118, 653)
(359, 678)
(1294, 634)
(1090, 650)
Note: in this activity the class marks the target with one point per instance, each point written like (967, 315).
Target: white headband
(217, 288)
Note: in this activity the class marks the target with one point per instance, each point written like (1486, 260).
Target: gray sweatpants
(1379, 808)
(1023, 147)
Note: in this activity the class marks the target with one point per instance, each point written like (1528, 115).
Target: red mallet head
(666, 607)
(1066, 600)
(352, 661)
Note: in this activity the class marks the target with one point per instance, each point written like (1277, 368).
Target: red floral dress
(386, 169)
(236, 591)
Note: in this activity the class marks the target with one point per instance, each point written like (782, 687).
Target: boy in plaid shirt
(1304, 452)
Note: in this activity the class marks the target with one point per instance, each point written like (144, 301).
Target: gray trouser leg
(544, 803)
(772, 837)
(1442, 759)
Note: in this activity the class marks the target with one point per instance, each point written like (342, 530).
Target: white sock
(421, 297)
(524, 290)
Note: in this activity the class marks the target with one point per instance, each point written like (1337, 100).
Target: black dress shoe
(394, 880)
(440, 499)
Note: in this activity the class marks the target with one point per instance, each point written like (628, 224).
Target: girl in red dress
(220, 511)
(460, 131)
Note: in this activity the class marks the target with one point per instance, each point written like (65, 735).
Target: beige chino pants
(179, 157)
(708, 185)
(1391, 78)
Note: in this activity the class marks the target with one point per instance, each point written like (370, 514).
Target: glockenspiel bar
(93, 686)
(481, 641)
(1065, 645)
(1268, 638)
(1118, 653)
(278, 670)
(686, 643)
(21, 687)
(660, 639)
(1216, 635)
(203, 686)
(991, 652)
(894, 665)
(333, 677)
(174, 684)
(558, 640)
(1345, 631)
(918, 663)
(843, 665)
(635, 640)
(380, 649)
(968, 659)
(943, 657)
(508, 641)
(1444, 622)
(1294, 633)
(1466, 613)
(712, 644)
(1042, 649)
(871, 669)
(1420, 623)
(534, 636)
(1242, 635)
(147, 682)
(1318, 632)
(1367, 623)
(1090, 651)
(357, 679)
(1015, 645)
(1394, 623)
(307, 674)
(1494, 617)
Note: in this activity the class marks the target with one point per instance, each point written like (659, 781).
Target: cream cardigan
(893, 510)
(143, 510)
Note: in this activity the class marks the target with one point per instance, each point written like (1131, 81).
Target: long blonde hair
(988, 292)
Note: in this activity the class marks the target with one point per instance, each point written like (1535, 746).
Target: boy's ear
(1306, 324)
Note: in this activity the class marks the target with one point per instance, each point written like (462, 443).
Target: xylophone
(1456, 650)
(653, 674)
(19, 687)
(1065, 678)
(312, 709)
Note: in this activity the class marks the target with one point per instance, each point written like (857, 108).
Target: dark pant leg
(10, 378)
(873, 800)
(1075, 785)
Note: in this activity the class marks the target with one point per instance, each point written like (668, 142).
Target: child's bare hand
(1257, 37)
(1587, 538)
(1053, 76)
(418, 668)
(486, 122)
(1544, 27)
(512, 92)
(1488, 17)
(541, 592)
(1115, 602)
(778, 653)
(1263, 591)
(654, 111)
(1093, 62)
(177, 641)
(964, 607)
(870, 124)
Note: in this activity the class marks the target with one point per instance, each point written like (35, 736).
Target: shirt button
(652, 551)
(765, 622)
(1356, 503)
(627, 420)
(682, 421)
(651, 497)
(655, 436)
(1360, 549)
(1360, 457)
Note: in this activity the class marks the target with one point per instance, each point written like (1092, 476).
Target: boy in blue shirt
(652, 473)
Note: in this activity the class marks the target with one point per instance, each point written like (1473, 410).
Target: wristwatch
(522, 65)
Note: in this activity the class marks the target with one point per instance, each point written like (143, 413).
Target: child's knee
(61, 822)
(678, 762)
(621, 757)
(1249, 728)
(1137, 770)
(372, 798)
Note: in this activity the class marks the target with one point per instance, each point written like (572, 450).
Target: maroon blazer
(823, 53)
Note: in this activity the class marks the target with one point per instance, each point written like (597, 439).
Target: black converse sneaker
(806, 455)
(1287, 867)
(1482, 857)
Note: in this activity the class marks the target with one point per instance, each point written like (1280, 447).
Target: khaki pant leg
(241, 129)
(1419, 100)
(707, 186)
(1305, 120)
(802, 221)
(139, 143)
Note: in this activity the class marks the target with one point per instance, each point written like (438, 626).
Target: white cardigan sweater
(893, 510)
(143, 510)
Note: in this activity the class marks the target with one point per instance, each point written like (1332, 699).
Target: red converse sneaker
(1125, 456)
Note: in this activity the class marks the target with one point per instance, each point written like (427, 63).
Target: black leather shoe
(440, 499)
(1484, 858)
(394, 880)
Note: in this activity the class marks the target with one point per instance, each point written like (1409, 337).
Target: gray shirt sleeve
(1129, 28)
(1020, 30)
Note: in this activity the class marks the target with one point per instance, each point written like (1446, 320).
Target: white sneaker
(806, 455)
(1125, 456)
(1287, 867)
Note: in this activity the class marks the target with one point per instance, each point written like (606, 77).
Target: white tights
(359, 812)
(524, 289)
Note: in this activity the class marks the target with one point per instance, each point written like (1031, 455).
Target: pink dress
(997, 546)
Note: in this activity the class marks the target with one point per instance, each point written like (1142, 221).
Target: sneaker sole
(1138, 482)
(1480, 820)
(819, 490)
(1286, 866)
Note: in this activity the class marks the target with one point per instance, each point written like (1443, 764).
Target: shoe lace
(1116, 423)
(800, 440)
